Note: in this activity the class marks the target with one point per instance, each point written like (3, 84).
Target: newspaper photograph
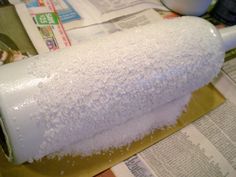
(43, 25)
(51, 30)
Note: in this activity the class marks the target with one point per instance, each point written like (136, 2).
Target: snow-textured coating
(132, 130)
(90, 88)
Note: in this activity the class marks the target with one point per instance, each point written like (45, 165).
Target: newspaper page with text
(229, 68)
(52, 25)
(225, 82)
(94, 12)
(79, 35)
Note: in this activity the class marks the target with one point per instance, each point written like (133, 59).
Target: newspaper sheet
(43, 26)
(67, 14)
(49, 23)
(207, 147)
(94, 12)
(65, 11)
(80, 13)
(230, 69)
(79, 35)
(225, 82)
(31, 29)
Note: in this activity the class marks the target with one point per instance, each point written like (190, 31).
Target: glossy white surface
(229, 37)
(188, 7)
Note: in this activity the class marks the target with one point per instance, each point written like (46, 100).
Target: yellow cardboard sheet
(203, 101)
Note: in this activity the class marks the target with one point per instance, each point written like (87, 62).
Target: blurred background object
(225, 11)
(9, 52)
(188, 7)
(4, 2)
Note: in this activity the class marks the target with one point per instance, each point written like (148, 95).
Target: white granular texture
(104, 83)
(133, 129)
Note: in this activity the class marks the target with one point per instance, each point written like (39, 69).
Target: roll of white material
(69, 96)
